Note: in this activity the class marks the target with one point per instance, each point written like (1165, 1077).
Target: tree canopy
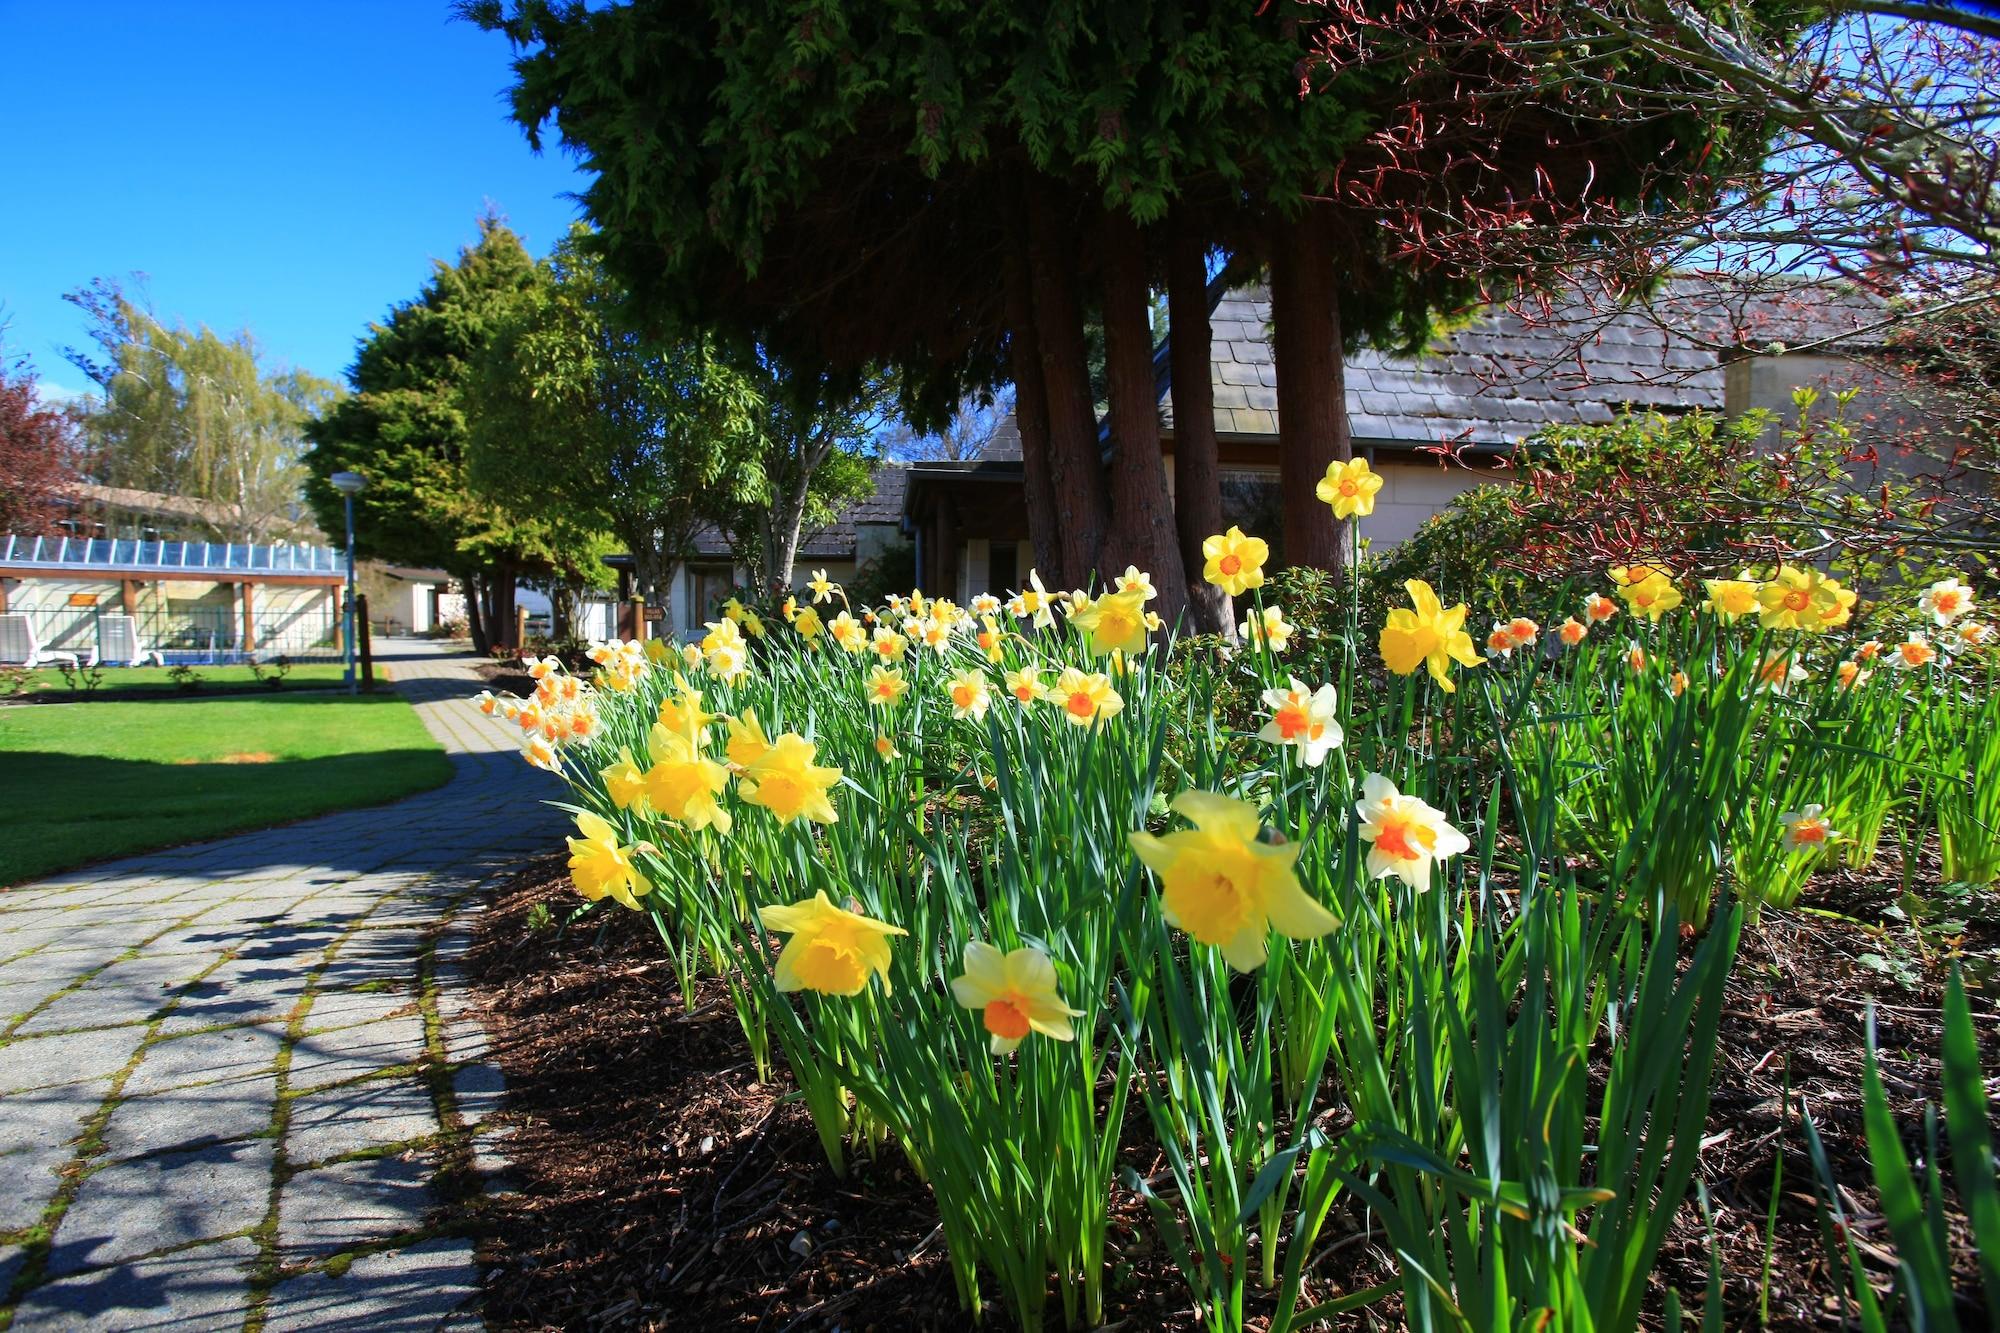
(38, 450)
(404, 429)
(190, 413)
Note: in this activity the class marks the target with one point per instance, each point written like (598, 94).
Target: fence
(197, 635)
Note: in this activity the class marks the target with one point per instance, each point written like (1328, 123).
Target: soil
(661, 1186)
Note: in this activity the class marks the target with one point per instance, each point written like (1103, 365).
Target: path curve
(237, 1079)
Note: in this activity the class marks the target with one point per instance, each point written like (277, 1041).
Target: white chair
(118, 643)
(20, 647)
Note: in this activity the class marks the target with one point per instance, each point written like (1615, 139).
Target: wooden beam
(249, 618)
(128, 596)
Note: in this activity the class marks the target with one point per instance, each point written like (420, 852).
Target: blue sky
(288, 168)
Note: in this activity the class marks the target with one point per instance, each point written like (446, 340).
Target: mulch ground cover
(660, 1185)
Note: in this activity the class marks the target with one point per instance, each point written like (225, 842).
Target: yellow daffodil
(729, 662)
(889, 646)
(747, 742)
(785, 781)
(988, 638)
(1868, 651)
(683, 782)
(886, 686)
(1572, 632)
(1268, 628)
(1677, 684)
(1806, 829)
(1972, 635)
(848, 633)
(968, 694)
(1850, 674)
(1651, 597)
(1797, 599)
(1635, 656)
(1598, 608)
(1032, 603)
(624, 782)
(822, 587)
(600, 867)
(1841, 609)
(1426, 634)
(1405, 834)
(724, 632)
(1116, 623)
(1234, 562)
(1026, 685)
(808, 624)
(1730, 599)
(682, 712)
(1223, 886)
(1945, 601)
(540, 754)
(1086, 696)
(886, 749)
(1304, 720)
(986, 605)
(1349, 487)
(831, 950)
(1015, 993)
(659, 651)
(487, 702)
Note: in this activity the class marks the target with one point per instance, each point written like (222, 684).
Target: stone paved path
(237, 1080)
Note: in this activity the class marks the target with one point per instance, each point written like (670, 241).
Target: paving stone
(425, 1287)
(48, 1117)
(360, 1115)
(205, 1287)
(320, 1058)
(228, 1054)
(28, 1181)
(51, 969)
(346, 1008)
(33, 1062)
(478, 1091)
(347, 1204)
(183, 1117)
(136, 1207)
(128, 992)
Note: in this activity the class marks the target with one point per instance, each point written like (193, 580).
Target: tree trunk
(1142, 513)
(1312, 392)
(1076, 468)
(1197, 470)
(475, 619)
(1031, 407)
(503, 628)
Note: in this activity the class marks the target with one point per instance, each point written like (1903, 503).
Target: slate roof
(835, 541)
(1500, 378)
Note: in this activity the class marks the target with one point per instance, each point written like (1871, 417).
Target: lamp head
(349, 483)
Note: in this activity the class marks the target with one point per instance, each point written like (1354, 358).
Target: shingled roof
(1501, 377)
(834, 541)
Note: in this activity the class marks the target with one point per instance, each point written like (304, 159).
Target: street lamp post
(349, 484)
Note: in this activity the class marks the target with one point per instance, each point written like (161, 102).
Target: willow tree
(189, 412)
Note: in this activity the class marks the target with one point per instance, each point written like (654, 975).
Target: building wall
(181, 615)
(1411, 492)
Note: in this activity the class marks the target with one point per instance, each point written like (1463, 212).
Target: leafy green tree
(404, 428)
(601, 428)
(953, 189)
(189, 413)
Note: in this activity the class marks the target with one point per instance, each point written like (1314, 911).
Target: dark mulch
(662, 1186)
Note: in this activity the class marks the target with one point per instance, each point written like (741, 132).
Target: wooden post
(128, 597)
(364, 640)
(249, 618)
(520, 629)
(3, 596)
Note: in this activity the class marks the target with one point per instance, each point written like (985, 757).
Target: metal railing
(107, 553)
(196, 636)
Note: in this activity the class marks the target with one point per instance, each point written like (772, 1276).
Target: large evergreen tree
(404, 428)
(957, 187)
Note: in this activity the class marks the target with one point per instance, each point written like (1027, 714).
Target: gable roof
(1500, 378)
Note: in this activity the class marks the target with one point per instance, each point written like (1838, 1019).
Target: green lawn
(214, 680)
(80, 784)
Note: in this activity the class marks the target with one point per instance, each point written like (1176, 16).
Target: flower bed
(1448, 945)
